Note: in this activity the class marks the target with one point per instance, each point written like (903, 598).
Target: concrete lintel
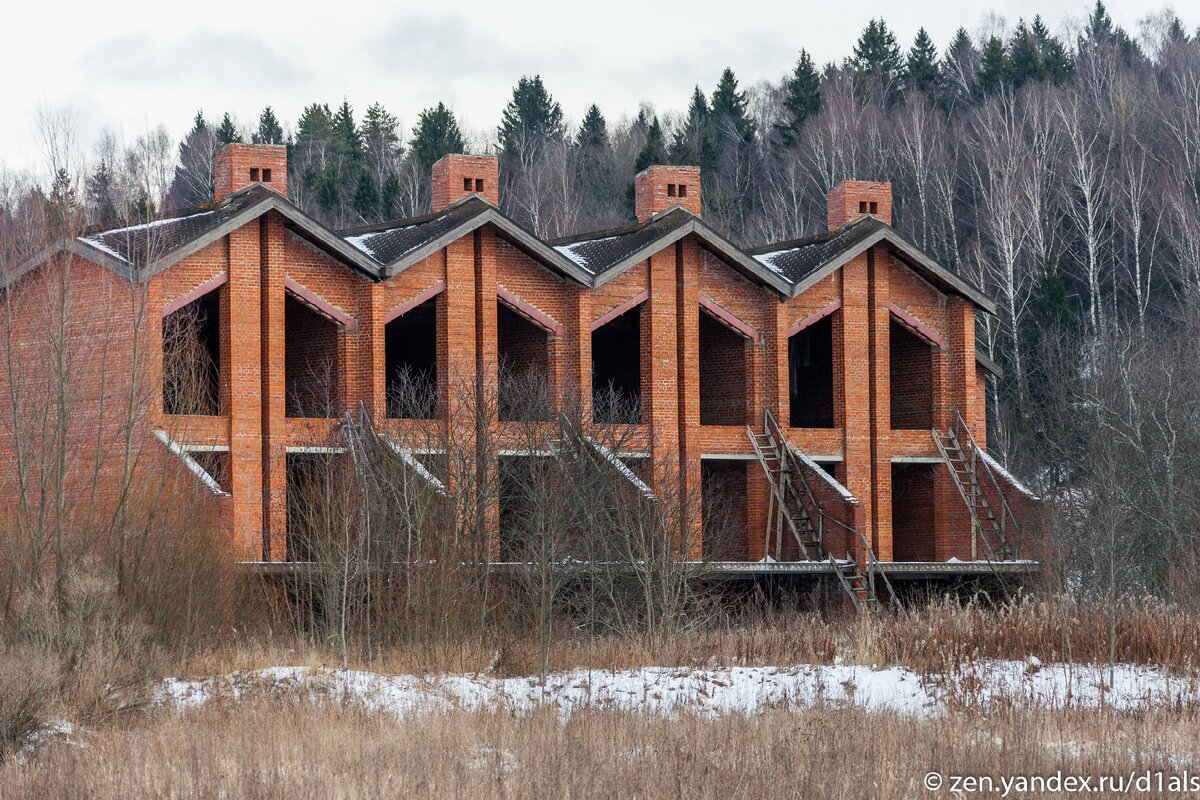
(205, 448)
(728, 457)
(420, 299)
(917, 460)
(300, 448)
(729, 319)
(919, 328)
(320, 305)
(814, 317)
(627, 306)
(530, 311)
(195, 294)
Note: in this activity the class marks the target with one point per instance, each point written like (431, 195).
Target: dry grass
(934, 638)
(272, 749)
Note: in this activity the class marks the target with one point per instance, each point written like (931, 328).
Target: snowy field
(712, 692)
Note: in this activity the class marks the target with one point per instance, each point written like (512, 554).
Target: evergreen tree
(920, 68)
(269, 130)
(381, 142)
(228, 133)
(877, 62)
(692, 143)
(316, 124)
(389, 197)
(1024, 60)
(192, 183)
(1056, 65)
(531, 116)
(801, 100)
(593, 131)
(99, 196)
(436, 134)
(312, 150)
(654, 151)
(993, 69)
(366, 196)
(1100, 31)
(329, 194)
(959, 66)
(346, 139)
(1176, 33)
(730, 105)
(62, 205)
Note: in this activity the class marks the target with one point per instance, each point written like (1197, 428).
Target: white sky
(131, 64)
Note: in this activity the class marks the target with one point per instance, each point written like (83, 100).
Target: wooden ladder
(959, 450)
(793, 507)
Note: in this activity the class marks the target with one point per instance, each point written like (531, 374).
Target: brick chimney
(660, 187)
(239, 165)
(456, 176)
(849, 200)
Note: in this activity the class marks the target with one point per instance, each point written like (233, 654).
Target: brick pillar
(456, 353)
(487, 362)
(956, 391)
(879, 293)
(372, 350)
(573, 352)
(687, 340)
(245, 392)
(852, 350)
(660, 373)
(274, 386)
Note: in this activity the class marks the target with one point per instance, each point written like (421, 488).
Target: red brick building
(831, 383)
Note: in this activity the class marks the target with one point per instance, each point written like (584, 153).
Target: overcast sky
(131, 64)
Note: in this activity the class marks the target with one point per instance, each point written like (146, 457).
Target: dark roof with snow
(600, 251)
(800, 258)
(392, 241)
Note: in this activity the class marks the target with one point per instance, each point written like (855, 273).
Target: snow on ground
(712, 692)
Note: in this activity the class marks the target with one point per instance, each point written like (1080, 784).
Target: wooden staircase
(794, 512)
(971, 474)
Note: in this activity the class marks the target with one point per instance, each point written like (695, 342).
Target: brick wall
(722, 374)
(237, 166)
(660, 187)
(456, 176)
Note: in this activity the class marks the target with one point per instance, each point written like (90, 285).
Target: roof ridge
(790, 244)
(404, 222)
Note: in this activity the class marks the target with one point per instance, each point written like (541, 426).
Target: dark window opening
(312, 510)
(312, 365)
(723, 510)
(862, 206)
(617, 369)
(810, 376)
(524, 367)
(266, 176)
(670, 190)
(254, 173)
(913, 512)
(874, 207)
(525, 492)
(911, 379)
(192, 357)
(466, 184)
(683, 190)
(479, 184)
(410, 362)
(722, 374)
(217, 464)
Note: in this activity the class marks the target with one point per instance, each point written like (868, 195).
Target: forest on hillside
(1061, 173)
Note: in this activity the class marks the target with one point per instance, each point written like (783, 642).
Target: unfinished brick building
(831, 384)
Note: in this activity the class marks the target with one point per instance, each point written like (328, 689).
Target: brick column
(687, 340)
(245, 392)
(274, 385)
(879, 295)
(660, 373)
(456, 355)
(852, 352)
(956, 391)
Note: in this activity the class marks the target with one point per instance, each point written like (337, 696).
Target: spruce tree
(993, 69)
(593, 131)
(389, 197)
(877, 62)
(227, 132)
(62, 205)
(366, 196)
(654, 151)
(346, 139)
(269, 130)
(531, 116)
(1100, 31)
(381, 141)
(728, 104)
(99, 196)
(801, 100)
(436, 134)
(1056, 64)
(920, 68)
(1024, 60)
(692, 143)
(329, 194)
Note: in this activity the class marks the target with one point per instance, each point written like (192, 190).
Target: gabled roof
(402, 243)
(606, 254)
(138, 252)
(804, 262)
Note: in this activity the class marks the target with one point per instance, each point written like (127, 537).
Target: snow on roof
(96, 239)
(362, 242)
(1007, 476)
(768, 259)
(571, 251)
(825, 476)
